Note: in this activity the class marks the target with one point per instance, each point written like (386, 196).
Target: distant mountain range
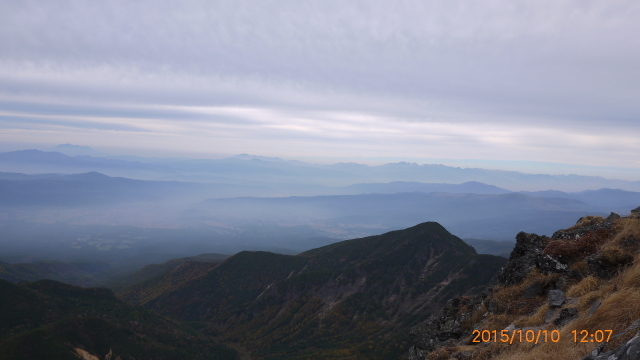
(92, 189)
(247, 170)
(483, 216)
(77, 150)
(470, 210)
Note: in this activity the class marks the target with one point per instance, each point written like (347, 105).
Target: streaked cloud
(550, 81)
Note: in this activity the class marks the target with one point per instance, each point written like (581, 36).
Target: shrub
(585, 245)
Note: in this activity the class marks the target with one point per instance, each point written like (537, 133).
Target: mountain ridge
(236, 170)
(289, 304)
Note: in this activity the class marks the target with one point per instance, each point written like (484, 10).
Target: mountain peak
(76, 150)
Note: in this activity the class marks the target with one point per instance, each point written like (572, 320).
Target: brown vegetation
(618, 298)
(571, 249)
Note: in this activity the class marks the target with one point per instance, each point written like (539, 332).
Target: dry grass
(440, 354)
(581, 266)
(510, 300)
(537, 319)
(627, 228)
(630, 277)
(572, 249)
(623, 230)
(477, 315)
(586, 300)
(617, 311)
(497, 322)
(587, 220)
(620, 297)
(620, 307)
(585, 286)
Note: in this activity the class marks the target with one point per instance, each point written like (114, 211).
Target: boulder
(566, 315)
(627, 351)
(606, 264)
(533, 290)
(556, 298)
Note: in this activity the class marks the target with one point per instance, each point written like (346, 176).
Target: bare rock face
(566, 315)
(606, 265)
(524, 257)
(559, 255)
(627, 351)
(445, 327)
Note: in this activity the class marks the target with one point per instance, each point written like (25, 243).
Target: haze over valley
(255, 203)
(353, 180)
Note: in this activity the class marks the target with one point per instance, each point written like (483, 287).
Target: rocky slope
(582, 285)
(356, 299)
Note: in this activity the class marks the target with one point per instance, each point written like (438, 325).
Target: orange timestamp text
(537, 336)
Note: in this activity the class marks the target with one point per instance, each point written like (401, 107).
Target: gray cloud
(546, 81)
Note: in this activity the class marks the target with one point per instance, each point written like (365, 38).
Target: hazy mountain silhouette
(338, 299)
(255, 170)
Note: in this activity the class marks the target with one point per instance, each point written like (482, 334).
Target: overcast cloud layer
(550, 81)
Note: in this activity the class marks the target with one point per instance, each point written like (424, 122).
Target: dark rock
(463, 355)
(533, 290)
(627, 351)
(606, 265)
(443, 328)
(525, 256)
(566, 315)
(556, 298)
(548, 264)
(581, 230)
(630, 243)
(636, 210)
(594, 307)
(613, 216)
(416, 353)
(551, 313)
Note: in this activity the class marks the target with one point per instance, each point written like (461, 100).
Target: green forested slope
(356, 299)
(51, 320)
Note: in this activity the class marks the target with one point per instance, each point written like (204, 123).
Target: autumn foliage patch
(571, 249)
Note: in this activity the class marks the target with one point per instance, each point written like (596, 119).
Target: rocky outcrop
(630, 350)
(446, 327)
(555, 259)
(566, 315)
(524, 258)
(584, 225)
(605, 265)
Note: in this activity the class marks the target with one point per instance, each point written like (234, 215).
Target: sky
(537, 86)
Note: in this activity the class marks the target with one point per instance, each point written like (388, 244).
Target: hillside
(51, 320)
(582, 285)
(152, 271)
(81, 274)
(355, 299)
